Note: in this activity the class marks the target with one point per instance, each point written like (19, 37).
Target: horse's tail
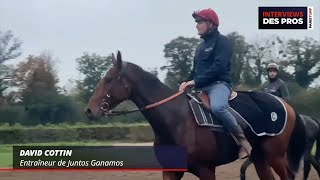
(297, 144)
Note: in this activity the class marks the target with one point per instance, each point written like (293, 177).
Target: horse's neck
(162, 118)
(143, 96)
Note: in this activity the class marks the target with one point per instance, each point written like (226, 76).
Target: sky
(138, 28)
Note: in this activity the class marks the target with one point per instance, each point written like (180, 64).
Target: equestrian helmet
(272, 66)
(207, 15)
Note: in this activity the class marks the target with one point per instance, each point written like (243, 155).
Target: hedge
(133, 133)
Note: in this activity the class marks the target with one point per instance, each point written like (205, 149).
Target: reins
(114, 113)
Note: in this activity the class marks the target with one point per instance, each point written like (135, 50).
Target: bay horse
(313, 136)
(173, 123)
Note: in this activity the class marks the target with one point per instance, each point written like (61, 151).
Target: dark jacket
(277, 87)
(212, 60)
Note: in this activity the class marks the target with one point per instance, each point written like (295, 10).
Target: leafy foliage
(179, 52)
(93, 67)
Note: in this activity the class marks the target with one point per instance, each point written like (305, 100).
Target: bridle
(105, 105)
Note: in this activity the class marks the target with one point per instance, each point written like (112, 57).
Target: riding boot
(245, 147)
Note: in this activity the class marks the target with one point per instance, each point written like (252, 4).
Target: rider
(211, 73)
(275, 85)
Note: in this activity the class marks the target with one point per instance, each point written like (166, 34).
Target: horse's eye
(108, 79)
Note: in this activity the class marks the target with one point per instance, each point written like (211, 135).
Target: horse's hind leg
(277, 159)
(307, 158)
(307, 167)
(166, 175)
(279, 165)
(316, 165)
(261, 165)
(285, 151)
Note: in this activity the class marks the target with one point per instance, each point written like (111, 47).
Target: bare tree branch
(9, 46)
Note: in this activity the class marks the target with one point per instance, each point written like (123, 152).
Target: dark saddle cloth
(263, 113)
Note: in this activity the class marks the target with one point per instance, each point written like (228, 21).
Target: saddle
(262, 112)
(204, 99)
(200, 105)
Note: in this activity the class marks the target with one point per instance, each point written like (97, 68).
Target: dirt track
(226, 172)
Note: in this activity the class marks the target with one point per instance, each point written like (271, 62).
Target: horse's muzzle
(91, 115)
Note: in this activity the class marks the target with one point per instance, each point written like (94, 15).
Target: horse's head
(112, 89)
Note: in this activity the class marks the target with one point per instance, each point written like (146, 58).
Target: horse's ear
(119, 60)
(114, 60)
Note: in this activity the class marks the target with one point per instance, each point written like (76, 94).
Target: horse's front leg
(169, 175)
(243, 169)
(307, 158)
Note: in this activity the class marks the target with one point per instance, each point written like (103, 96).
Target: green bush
(295, 89)
(39, 134)
(307, 103)
(11, 114)
(54, 109)
(60, 109)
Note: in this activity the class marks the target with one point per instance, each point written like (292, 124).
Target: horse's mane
(148, 77)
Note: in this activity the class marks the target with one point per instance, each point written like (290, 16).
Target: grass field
(6, 149)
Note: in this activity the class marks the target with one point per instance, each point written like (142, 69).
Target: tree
(240, 51)
(26, 70)
(35, 78)
(278, 54)
(259, 54)
(92, 66)
(41, 84)
(248, 75)
(180, 53)
(37, 81)
(305, 58)
(5, 78)
(9, 46)
(9, 49)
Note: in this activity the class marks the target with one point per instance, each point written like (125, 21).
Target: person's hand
(186, 84)
(182, 86)
(190, 83)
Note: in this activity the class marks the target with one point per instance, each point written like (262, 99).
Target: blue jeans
(219, 94)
